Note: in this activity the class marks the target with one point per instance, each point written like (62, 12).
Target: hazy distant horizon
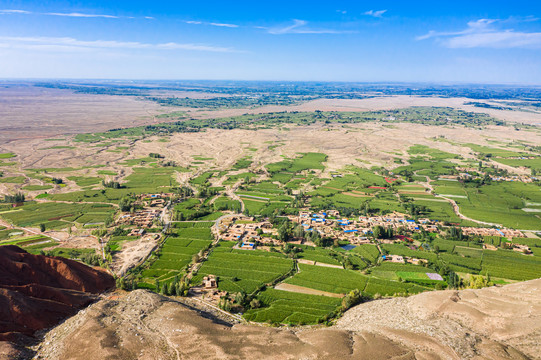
(180, 80)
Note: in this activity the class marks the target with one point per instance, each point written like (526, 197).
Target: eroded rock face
(435, 325)
(37, 292)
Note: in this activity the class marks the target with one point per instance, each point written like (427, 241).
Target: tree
(323, 241)
(298, 231)
(112, 184)
(240, 297)
(352, 298)
(125, 204)
(381, 232)
(454, 280)
(17, 198)
(284, 233)
(255, 304)
(42, 227)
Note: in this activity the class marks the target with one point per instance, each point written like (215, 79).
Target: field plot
(262, 207)
(85, 180)
(386, 287)
(453, 188)
(175, 254)
(421, 166)
(306, 161)
(399, 249)
(511, 265)
(142, 180)
(502, 203)
(441, 210)
(12, 180)
(370, 253)
(434, 154)
(244, 271)
(326, 256)
(225, 203)
(339, 281)
(534, 164)
(285, 307)
(37, 187)
(495, 152)
(58, 215)
(33, 244)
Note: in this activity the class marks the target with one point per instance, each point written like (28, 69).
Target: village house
(209, 282)
(522, 248)
(394, 258)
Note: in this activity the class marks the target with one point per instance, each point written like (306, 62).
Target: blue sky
(422, 41)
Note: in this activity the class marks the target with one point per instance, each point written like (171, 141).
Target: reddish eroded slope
(37, 292)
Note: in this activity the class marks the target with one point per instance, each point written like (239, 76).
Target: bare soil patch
(305, 290)
(355, 194)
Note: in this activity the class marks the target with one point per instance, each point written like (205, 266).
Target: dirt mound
(494, 323)
(37, 292)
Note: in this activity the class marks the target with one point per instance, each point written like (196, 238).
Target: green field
(339, 281)
(175, 254)
(244, 271)
(284, 307)
(58, 215)
(502, 203)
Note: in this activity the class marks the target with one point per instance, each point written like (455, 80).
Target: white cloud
(80, 15)
(375, 13)
(72, 14)
(71, 44)
(497, 40)
(484, 33)
(224, 25)
(194, 22)
(299, 27)
(14, 12)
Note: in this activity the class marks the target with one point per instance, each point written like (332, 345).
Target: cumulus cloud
(485, 33)
(375, 13)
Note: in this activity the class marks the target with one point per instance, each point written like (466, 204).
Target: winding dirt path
(455, 206)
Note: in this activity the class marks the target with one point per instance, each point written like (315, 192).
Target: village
(475, 174)
(151, 208)
(251, 234)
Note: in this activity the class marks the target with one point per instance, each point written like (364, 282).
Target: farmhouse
(394, 258)
(522, 248)
(209, 282)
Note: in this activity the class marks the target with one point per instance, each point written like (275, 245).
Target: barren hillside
(492, 323)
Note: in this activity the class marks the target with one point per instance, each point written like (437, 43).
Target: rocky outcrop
(37, 292)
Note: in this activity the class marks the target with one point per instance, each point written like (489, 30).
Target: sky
(360, 41)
